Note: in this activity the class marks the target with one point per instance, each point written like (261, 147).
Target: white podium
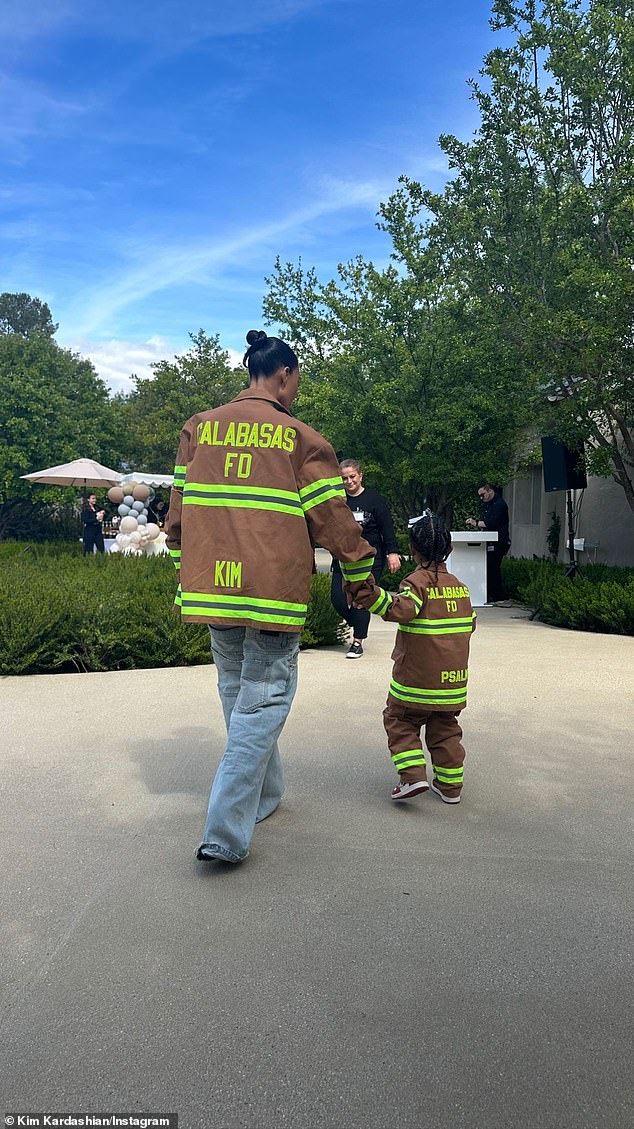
(468, 561)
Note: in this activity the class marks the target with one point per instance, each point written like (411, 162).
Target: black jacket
(89, 517)
(371, 511)
(496, 519)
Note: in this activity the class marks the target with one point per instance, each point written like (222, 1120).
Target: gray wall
(605, 520)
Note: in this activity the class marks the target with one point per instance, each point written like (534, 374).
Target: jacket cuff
(357, 570)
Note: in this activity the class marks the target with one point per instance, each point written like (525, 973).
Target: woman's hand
(393, 562)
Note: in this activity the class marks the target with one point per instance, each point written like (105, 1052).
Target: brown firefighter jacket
(435, 621)
(254, 490)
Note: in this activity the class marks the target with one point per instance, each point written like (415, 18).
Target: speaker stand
(573, 568)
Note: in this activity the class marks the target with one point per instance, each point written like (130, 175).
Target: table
(468, 561)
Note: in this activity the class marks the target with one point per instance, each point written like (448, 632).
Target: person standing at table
(91, 520)
(254, 490)
(495, 519)
(371, 512)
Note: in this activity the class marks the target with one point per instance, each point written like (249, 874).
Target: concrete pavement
(370, 965)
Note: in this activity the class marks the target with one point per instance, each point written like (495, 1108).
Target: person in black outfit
(375, 522)
(157, 511)
(495, 518)
(91, 520)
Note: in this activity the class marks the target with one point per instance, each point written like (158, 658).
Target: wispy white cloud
(162, 268)
(116, 360)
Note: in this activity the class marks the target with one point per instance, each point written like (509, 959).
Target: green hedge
(601, 599)
(60, 611)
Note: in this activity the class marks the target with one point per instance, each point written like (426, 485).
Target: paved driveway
(369, 965)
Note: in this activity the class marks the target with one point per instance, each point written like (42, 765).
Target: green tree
(20, 313)
(53, 408)
(537, 221)
(404, 373)
(150, 418)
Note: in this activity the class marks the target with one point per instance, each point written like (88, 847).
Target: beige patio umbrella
(80, 473)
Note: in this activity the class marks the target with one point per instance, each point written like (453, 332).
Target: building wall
(605, 521)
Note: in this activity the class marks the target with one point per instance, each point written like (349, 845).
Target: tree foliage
(20, 313)
(53, 408)
(405, 373)
(537, 221)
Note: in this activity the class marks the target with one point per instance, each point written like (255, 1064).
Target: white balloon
(115, 548)
(153, 530)
(135, 537)
(129, 523)
(122, 540)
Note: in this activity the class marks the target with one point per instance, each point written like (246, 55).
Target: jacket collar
(255, 393)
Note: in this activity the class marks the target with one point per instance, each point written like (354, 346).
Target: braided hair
(431, 539)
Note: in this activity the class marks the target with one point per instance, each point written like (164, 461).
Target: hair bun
(254, 336)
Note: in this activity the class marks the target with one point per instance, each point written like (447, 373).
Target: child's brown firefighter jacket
(435, 621)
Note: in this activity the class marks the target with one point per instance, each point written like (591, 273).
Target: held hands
(361, 595)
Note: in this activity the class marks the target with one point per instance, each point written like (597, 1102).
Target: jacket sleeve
(173, 522)
(329, 520)
(395, 607)
(384, 521)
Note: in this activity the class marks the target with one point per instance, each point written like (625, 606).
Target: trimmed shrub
(601, 599)
(62, 612)
(391, 580)
(323, 625)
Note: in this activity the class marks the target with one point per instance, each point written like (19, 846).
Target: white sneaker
(404, 791)
(445, 799)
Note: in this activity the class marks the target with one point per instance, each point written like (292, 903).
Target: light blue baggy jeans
(257, 680)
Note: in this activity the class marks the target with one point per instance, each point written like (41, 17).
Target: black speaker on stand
(564, 470)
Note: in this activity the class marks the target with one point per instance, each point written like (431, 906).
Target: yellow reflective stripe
(422, 690)
(321, 491)
(438, 770)
(435, 630)
(242, 614)
(380, 606)
(251, 601)
(456, 620)
(323, 497)
(227, 488)
(416, 600)
(454, 625)
(242, 497)
(421, 696)
(179, 475)
(413, 756)
(357, 570)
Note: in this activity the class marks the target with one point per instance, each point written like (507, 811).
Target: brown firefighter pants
(403, 724)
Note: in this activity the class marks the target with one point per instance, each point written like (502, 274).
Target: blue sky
(157, 157)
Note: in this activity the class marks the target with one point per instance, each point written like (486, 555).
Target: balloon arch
(136, 536)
